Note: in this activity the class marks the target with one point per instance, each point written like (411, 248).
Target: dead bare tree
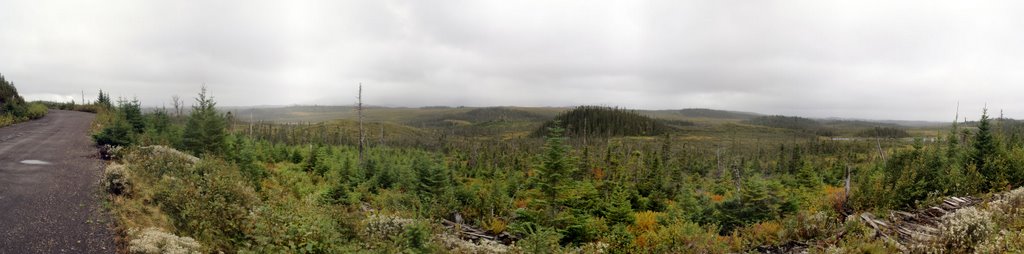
(252, 120)
(177, 105)
(362, 136)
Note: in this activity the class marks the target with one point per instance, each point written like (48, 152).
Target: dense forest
(205, 182)
(605, 122)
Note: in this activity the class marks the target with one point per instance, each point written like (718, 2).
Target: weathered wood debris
(470, 233)
(905, 228)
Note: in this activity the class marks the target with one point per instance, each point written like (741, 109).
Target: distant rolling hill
(412, 116)
(714, 113)
(609, 122)
(520, 121)
(483, 115)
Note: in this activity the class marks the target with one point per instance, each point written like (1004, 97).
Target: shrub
(454, 244)
(645, 221)
(380, 227)
(212, 202)
(495, 225)
(7, 119)
(157, 241)
(542, 241)
(769, 233)
(416, 236)
(152, 163)
(115, 180)
(391, 233)
(1005, 242)
(960, 232)
(687, 237)
(118, 133)
(859, 238)
(591, 248)
(293, 226)
(1008, 205)
(809, 225)
(36, 110)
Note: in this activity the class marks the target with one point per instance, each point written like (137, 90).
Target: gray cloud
(866, 59)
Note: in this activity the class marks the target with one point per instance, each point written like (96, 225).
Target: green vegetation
(606, 122)
(206, 128)
(703, 113)
(13, 108)
(786, 122)
(884, 132)
(71, 105)
(702, 188)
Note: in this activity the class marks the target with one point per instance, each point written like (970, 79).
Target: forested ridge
(206, 182)
(605, 122)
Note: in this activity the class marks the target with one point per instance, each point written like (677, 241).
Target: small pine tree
(206, 130)
(131, 111)
(984, 143)
(987, 155)
(103, 100)
(554, 168)
(432, 178)
(118, 133)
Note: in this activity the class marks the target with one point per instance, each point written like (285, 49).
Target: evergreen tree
(554, 168)
(131, 111)
(984, 144)
(987, 156)
(118, 133)
(432, 178)
(103, 100)
(206, 130)
(160, 121)
(10, 101)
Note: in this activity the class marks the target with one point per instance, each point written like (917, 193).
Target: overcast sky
(861, 59)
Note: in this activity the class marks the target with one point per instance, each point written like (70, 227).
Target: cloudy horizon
(909, 60)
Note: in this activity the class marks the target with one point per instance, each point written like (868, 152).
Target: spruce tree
(132, 112)
(984, 145)
(206, 130)
(554, 168)
(987, 155)
(432, 179)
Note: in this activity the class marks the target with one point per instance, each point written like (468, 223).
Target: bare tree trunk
(177, 105)
(362, 137)
(846, 192)
(881, 152)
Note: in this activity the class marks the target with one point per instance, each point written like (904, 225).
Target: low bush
(117, 133)
(7, 120)
(454, 244)
(960, 232)
(211, 202)
(157, 241)
(115, 180)
(293, 226)
(36, 110)
(542, 241)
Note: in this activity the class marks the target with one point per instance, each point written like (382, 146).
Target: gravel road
(49, 198)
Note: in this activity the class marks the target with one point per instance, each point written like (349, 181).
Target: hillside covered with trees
(198, 183)
(602, 121)
(13, 108)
